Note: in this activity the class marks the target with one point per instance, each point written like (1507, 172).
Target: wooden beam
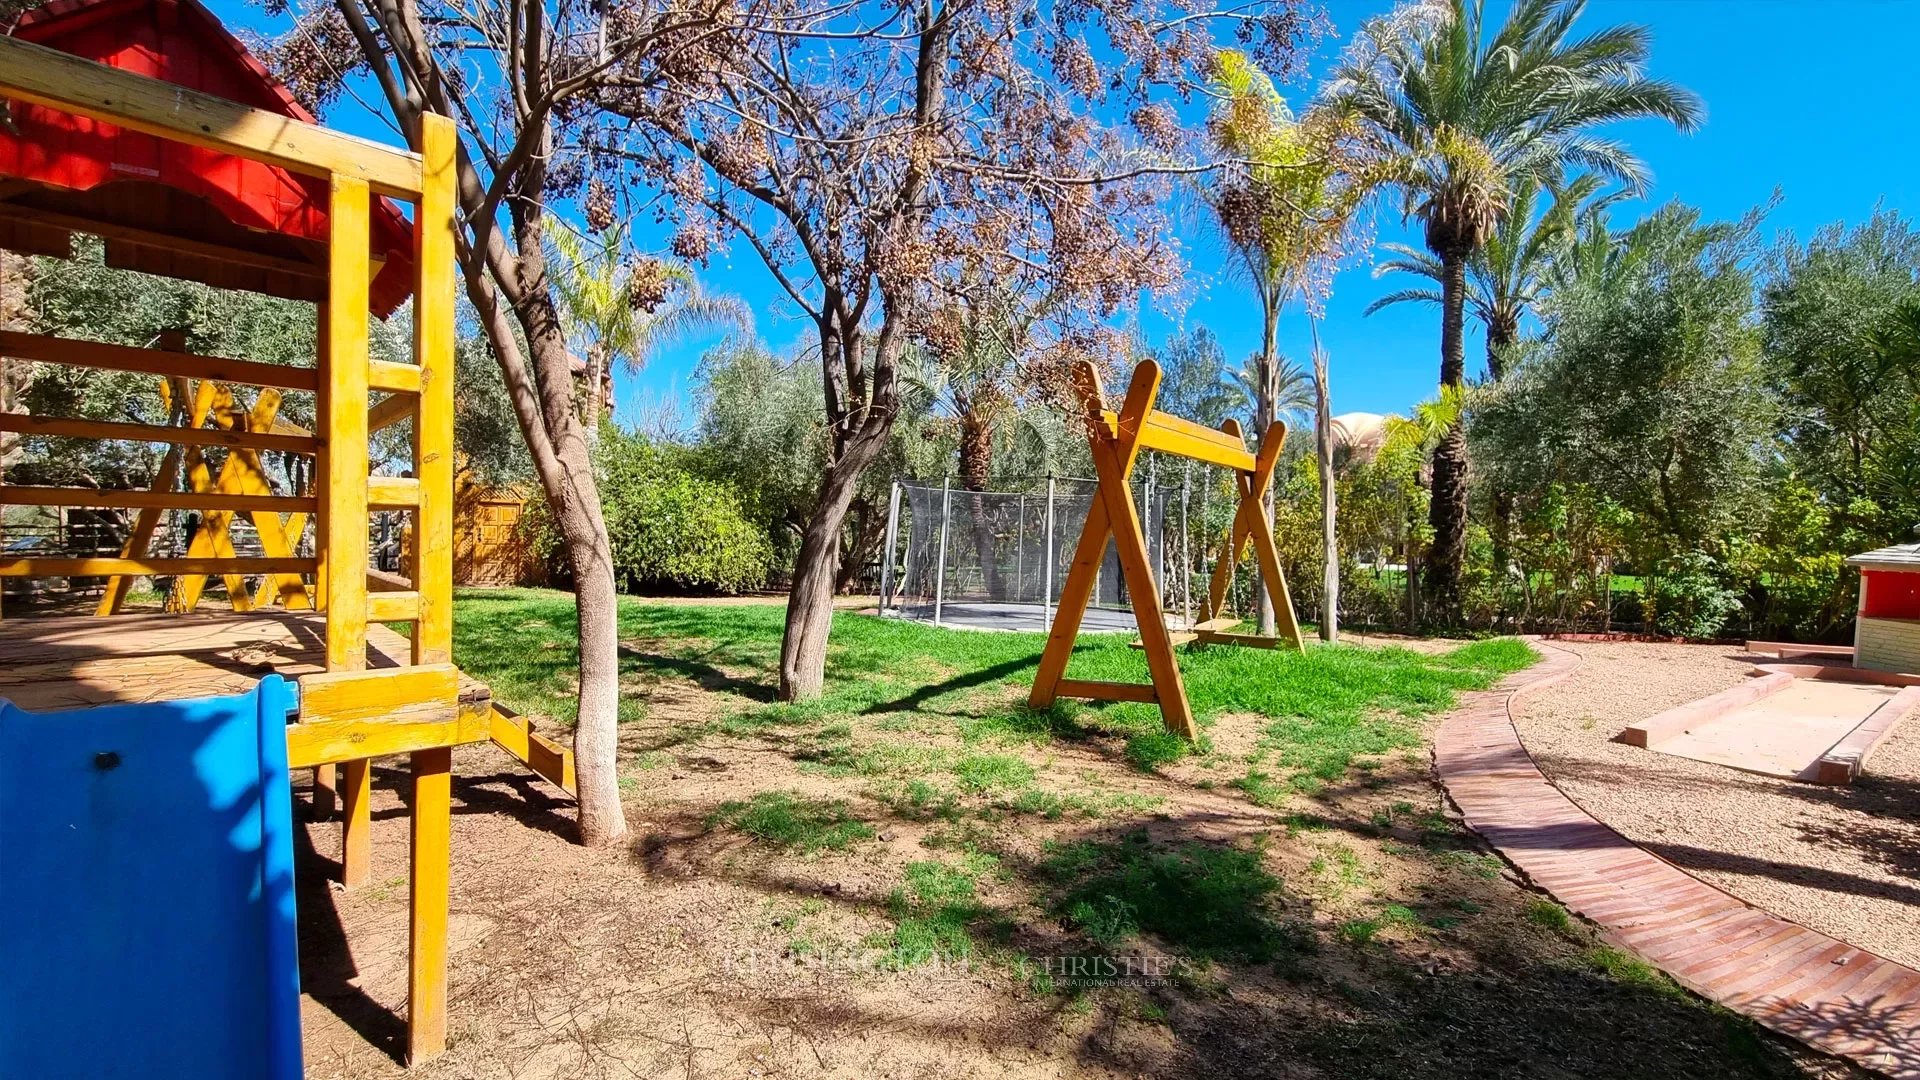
(62, 427)
(548, 759)
(392, 410)
(393, 606)
(95, 354)
(355, 742)
(393, 378)
(430, 690)
(149, 567)
(1183, 438)
(68, 83)
(148, 238)
(345, 425)
(433, 352)
(340, 743)
(427, 903)
(1100, 690)
(392, 492)
(23, 495)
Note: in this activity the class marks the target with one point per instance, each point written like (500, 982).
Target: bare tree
(519, 79)
(881, 158)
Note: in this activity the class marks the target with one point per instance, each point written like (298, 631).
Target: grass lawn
(919, 875)
(1323, 709)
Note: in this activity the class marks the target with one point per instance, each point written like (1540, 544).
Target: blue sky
(1814, 100)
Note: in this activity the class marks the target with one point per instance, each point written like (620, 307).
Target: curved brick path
(1824, 992)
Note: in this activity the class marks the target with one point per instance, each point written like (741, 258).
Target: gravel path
(1843, 861)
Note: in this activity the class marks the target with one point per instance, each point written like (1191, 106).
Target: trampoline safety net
(998, 559)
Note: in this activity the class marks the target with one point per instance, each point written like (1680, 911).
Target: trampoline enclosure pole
(887, 553)
(1046, 568)
(1020, 547)
(940, 567)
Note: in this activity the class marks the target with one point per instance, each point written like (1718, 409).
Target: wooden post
(432, 573)
(432, 569)
(344, 435)
(326, 786)
(427, 923)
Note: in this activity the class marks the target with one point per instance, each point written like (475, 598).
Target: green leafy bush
(1691, 599)
(671, 530)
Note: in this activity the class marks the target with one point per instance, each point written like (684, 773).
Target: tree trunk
(546, 411)
(1448, 514)
(1502, 333)
(1329, 535)
(803, 651)
(1264, 408)
(860, 409)
(976, 469)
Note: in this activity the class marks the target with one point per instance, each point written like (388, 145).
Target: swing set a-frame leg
(1112, 514)
(1250, 525)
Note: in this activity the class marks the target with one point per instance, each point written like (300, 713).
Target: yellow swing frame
(1116, 439)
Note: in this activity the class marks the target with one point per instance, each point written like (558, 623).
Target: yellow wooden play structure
(364, 690)
(1116, 439)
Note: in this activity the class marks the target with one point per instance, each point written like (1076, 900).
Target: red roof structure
(167, 207)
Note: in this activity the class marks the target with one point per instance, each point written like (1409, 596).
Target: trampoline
(996, 560)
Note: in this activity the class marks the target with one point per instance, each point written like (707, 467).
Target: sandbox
(1816, 721)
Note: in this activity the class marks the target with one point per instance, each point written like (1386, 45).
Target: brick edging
(1830, 995)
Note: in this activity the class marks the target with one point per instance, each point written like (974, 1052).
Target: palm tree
(1287, 209)
(1292, 390)
(1512, 271)
(1468, 116)
(623, 311)
(1506, 280)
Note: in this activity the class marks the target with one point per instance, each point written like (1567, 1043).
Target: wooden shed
(1886, 637)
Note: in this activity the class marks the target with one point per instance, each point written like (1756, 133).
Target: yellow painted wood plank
(147, 521)
(393, 606)
(1181, 444)
(338, 696)
(345, 425)
(28, 495)
(393, 378)
(356, 795)
(434, 341)
(427, 907)
(94, 354)
(350, 742)
(240, 474)
(152, 433)
(149, 567)
(548, 759)
(392, 492)
(392, 410)
(1113, 462)
(322, 461)
(58, 80)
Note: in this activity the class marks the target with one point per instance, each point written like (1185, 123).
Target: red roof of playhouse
(57, 169)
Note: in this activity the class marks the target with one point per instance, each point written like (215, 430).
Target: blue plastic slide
(146, 891)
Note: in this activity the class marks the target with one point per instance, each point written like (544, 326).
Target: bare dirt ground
(698, 952)
(1843, 861)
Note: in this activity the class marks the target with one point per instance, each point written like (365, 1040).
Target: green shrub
(671, 530)
(1691, 599)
